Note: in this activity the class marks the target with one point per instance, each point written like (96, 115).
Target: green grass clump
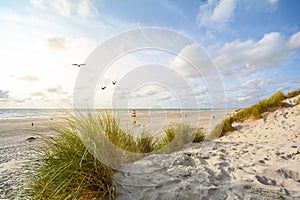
(174, 138)
(176, 135)
(254, 112)
(298, 102)
(64, 169)
(216, 132)
(292, 94)
(221, 129)
(199, 135)
(276, 100)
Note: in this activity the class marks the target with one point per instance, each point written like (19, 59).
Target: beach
(259, 160)
(18, 137)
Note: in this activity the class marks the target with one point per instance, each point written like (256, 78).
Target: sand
(260, 160)
(18, 137)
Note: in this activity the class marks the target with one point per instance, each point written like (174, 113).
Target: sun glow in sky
(254, 43)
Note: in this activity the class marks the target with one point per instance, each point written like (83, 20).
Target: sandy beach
(260, 160)
(18, 137)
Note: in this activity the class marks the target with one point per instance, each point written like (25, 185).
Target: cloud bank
(245, 57)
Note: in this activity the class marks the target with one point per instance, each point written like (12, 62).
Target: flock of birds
(103, 88)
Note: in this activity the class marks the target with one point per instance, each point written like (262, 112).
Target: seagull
(103, 87)
(114, 82)
(78, 65)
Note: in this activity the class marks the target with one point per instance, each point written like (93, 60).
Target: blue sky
(254, 43)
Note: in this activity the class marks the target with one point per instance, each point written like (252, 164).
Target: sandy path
(259, 161)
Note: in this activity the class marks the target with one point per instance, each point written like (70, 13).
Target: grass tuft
(254, 112)
(65, 169)
(176, 135)
(292, 94)
(199, 135)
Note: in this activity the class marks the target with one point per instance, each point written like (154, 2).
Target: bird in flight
(78, 65)
(114, 82)
(103, 87)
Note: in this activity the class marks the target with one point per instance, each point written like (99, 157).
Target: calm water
(29, 113)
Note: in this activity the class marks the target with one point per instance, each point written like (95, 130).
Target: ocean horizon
(19, 113)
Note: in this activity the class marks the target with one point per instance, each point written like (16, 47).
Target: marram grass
(177, 135)
(65, 169)
(253, 112)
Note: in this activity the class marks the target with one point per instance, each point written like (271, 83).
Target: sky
(254, 45)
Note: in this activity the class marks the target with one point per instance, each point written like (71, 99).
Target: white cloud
(66, 8)
(249, 56)
(87, 9)
(254, 83)
(215, 13)
(197, 62)
(294, 41)
(244, 97)
(223, 11)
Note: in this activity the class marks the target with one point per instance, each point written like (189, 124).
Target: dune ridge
(259, 160)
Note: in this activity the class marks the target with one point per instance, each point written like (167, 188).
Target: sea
(9, 113)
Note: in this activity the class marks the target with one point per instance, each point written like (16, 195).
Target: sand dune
(260, 160)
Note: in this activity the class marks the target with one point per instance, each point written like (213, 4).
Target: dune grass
(221, 128)
(65, 169)
(292, 94)
(253, 112)
(176, 135)
(199, 134)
